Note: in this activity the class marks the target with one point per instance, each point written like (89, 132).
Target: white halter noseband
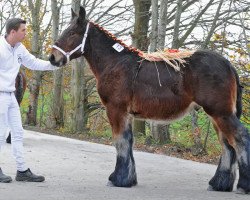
(68, 54)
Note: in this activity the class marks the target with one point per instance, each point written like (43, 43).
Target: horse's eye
(71, 33)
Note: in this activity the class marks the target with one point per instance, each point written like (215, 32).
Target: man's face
(20, 34)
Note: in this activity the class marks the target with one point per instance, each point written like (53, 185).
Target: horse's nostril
(52, 58)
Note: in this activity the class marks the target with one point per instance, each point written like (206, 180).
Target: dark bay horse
(130, 85)
(21, 85)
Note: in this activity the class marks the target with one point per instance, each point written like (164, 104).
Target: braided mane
(132, 49)
(173, 57)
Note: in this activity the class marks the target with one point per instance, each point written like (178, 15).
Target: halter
(68, 54)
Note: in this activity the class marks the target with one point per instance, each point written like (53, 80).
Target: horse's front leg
(124, 174)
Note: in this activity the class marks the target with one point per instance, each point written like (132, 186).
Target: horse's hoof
(210, 188)
(241, 191)
(115, 181)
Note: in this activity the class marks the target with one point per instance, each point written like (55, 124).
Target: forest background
(66, 102)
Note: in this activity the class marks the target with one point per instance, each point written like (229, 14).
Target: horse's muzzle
(56, 63)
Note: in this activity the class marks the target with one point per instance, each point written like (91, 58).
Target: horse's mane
(130, 48)
(173, 57)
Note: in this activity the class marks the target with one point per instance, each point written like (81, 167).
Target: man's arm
(33, 63)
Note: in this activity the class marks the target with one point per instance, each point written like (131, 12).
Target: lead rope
(158, 74)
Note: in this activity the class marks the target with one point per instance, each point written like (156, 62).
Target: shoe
(4, 178)
(28, 176)
(8, 139)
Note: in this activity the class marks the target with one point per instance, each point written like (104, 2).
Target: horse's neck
(100, 53)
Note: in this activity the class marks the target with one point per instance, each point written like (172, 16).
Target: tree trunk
(197, 148)
(79, 118)
(75, 5)
(142, 16)
(176, 42)
(57, 107)
(160, 132)
(162, 24)
(141, 41)
(34, 88)
(154, 29)
(35, 82)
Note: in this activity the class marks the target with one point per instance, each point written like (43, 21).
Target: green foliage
(181, 133)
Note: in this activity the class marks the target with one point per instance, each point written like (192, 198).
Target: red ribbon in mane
(172, 50)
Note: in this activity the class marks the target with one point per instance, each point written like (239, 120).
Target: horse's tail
(239, 95)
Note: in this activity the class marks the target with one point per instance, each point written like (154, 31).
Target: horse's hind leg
(243, 152)
(124, 174)
(223, 180)
(237, 137)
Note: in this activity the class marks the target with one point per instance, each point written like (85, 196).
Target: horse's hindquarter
(162, 97)
(212, 81)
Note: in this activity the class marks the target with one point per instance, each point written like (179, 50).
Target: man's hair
(14, 24)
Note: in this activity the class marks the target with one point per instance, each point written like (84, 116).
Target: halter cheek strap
(68, 54)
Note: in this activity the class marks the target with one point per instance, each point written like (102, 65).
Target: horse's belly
(163, 114)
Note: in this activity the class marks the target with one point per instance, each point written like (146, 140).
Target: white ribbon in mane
(68, 54)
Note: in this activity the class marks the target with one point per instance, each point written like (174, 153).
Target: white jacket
(11, 59)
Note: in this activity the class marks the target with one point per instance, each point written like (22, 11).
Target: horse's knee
(124, 143)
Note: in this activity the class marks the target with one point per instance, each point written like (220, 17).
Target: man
(12, 54)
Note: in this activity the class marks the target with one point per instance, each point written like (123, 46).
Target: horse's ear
(73, 14)
(82, 13)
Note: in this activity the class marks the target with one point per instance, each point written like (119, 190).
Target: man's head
(16, 30)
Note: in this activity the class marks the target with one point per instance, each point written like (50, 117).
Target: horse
(20, 85)
(132, 84)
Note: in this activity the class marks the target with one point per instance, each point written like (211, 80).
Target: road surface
(78, 170)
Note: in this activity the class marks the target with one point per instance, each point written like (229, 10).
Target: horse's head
(71, 43)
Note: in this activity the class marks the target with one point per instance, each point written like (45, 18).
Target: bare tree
(154, 26)
(141, 41)
(35, 8)
(162, 24)
(176, 43)
(160, 132)
(77, 85)
(8, 9)
(57, 118)
(215, 20)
